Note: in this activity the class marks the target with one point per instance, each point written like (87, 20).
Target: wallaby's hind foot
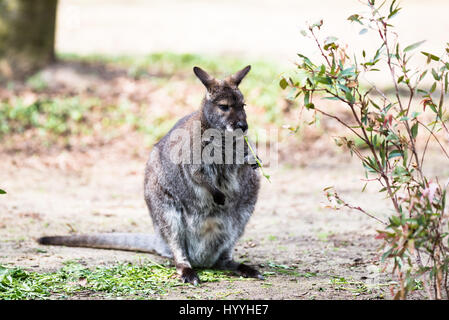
(227, 263)
(189, 275)
(249, 272)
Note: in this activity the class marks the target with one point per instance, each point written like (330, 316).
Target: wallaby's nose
(242, 125)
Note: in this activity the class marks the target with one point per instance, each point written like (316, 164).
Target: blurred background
(251, 28)
(128, 63)
(88, 86)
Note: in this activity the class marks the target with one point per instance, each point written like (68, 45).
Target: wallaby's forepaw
(188, 275)
(219, 197)
(249, 272)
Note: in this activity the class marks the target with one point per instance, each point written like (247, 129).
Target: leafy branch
(389, 127)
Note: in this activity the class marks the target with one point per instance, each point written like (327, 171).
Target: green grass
(283, 269)
(144, 280)
(60, 116)
(356, 287)
(340, 283)
(54, 118)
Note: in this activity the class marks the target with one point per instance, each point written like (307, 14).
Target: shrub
(389, 127)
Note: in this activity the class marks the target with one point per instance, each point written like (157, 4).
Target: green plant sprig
(257, 160)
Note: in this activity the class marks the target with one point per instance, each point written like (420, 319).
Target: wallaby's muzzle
(242, 125)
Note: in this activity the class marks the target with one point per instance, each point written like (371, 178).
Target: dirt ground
(102, 191)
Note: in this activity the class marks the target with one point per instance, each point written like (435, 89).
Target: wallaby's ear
(205, 78)
(236, 78)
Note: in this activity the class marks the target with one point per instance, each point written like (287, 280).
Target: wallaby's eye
(223, 107)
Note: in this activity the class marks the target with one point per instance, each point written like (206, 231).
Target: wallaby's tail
(139, 242)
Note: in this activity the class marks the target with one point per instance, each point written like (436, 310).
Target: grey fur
(199, 211)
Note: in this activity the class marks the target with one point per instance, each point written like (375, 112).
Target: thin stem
(390, 66)
(319, 47)
(336, 196)
(433, 135)
(342, 122)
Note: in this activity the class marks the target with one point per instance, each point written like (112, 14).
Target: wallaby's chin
(229, 128)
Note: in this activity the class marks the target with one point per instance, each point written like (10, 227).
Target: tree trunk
(27, 36)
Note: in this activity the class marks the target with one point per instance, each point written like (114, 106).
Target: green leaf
(350, 97)
(307, 98)
(414, 46)
(306, 60)
(331, 98)
(343, 87)
(347, 72)
(422, 91)
(283, 83)
(392, 137)
(414, 130)
(430, 56)
(433, 87)
(415, 114)
(433, 107)
(355, 18)
(324, 80)
(394, 13)
(2, 191)
(374, 104)
(435, 75)
(364, 187)
(386, 254)
(422, 75)
(309, 106)
(395, 221)
(395, 153)
(405, 157)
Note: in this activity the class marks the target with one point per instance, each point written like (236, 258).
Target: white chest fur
(206, 240)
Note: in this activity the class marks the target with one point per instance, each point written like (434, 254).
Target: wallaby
(200, 209)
